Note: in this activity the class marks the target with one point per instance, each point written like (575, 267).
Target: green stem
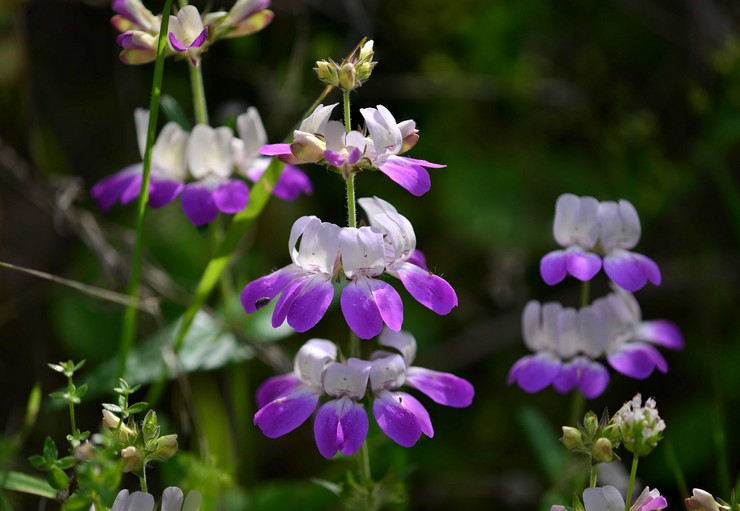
(592, 481)
(673, 464)
(577, 405)
(131, 316)
(631, 487)
(351, 205)
(70, 390)
(347, 114)
(142, 481)
(199, 95)
(585, 293)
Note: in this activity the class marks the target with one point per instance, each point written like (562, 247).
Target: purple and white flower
(576, 228)
(172, 500)
(608, 498)
(245, 18)
(139, 31)
(168, 170)
(292, 181)
(187, 34)
(211, 163)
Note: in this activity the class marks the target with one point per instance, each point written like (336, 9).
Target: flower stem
(351, 209)
(347, 115)
(142, 481)
(577, 405)
(585, 292)
(592, 481)
(199, 95)
(631, 487)
(131, 316)
(70, 390)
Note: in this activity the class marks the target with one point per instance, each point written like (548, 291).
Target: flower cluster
(568, 341)
(608, 498)
(329, 143)
(352, 72)
(189, 33)
(386, 246)
(287, 401)
(640, 427)
(172, 500)
(205, 167)
(583, 223)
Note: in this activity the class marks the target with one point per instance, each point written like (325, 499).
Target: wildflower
(343, 150)
(285, 402)
(168, 169)
(211, 162)
(630, 341)
(640, 427)
(139, 31)
(608, 498)
(305, 284)
(620, 231)
(252, 136)
(556, 333)
(704, 501)
(576, 228)
(187, 34)
(245, 18)
(172, 500)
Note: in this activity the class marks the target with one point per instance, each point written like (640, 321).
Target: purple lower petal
(275, 387)
(443, 388)
(413, 178)
(423, 163)
(132, 191)
(661, 332)
(198, 205)
(275, 149)
(164, 191)
(334, 158)
(630, 271)
(340, 425)
(538, 372)
(636, 360)
(367, 303)
(292, 182)
(286, 413)
(107, 191)
(198, 42)
(428, 289)
(418, 258)
(287, 297)
(232, 196)
(310, 304)
(594, 378)
(582, 265)
(414, 406)
(258, 293)
(567, 378)
(553, 267)
(396, 421)
(175, 43)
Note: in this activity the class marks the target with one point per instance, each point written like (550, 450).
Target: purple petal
(418, 258)
(107, 191)
(594, 378)
(310, 304)
(443, 388)
(232, 196)
(428, 289)
(553, 267)
(176, 45)
(164, 191)
(340, 425)
(292, 182)
(661, 332)
(198, 205)
(132, 191)
(423, 163)
(286, 413)
(396, 421)
(637, 360)
(126, 40)
(582, 265)
(275, 387)
(368, 303)
(535, 372)
(258, 293)
(334, 158)
(630, 271)
(275, 149)
(198, 42)
(413, 178)
(567, 378)
(414, 406)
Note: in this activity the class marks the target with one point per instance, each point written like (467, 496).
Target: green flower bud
(327, 72)
(112, 421)
(167, 446)
(591, 424)
(150, 428)
(347, 77)
(602, 451)
(572, 438)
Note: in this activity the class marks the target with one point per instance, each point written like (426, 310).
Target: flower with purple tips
(244, 18)
(187, 34)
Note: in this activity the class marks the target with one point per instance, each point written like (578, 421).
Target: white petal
(209, 151)
(606, 498)
(384, 132)
(348, 379)
(576, 221)
(568, 336)
(592, 338)
(363, 251)
(169, 151)
(402, 341)
(252, 132)
(375, 206)
(312, 358)
(387, 373)
(191, 24)
(141, 119)
(334, 136)
(299, 227)
(319, 248)
(316, 122)
(620, 225)
(399, 233)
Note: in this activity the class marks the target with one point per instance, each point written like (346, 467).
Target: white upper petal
(384, 132)
(387, 373)
(188, 25)
(319, 248)
(620, 225)
(402, 341)
(399, 233)
(348, 379)
(576, 221)
(240, 10)
(375, 206)
(312, 358)
(141, 120)
(568, 339)
(209, 152)
(363, 251)
(170, 150)
(252, 132)
(316, 122)
(540, 325)
(407, 128)
(592, 336)
(606, 498)
(334, 135)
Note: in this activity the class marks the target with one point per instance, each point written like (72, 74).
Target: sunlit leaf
(23, 483)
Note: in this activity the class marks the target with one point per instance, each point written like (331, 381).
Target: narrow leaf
(23, 483)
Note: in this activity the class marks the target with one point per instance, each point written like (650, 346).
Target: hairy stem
(70, 390)
(631, 487)
(592, 479)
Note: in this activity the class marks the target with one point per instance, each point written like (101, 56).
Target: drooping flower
(245, 18)
(576, 228)
(168, 169)
(620, 232)
(211, 163)
(292, 181)
(565, 341)
(287, 401)
(187, 34)
(305, 285)
(139, 31)
(631, 342)
(172, 500)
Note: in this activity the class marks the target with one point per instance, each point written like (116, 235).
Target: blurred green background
(523, 100)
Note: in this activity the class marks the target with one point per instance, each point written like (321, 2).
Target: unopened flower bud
(602, 451)
(572, 438)
(704, 501)
(150, 428)
(132, 461)
(591, 424)
(347, 77)
(327, 72)
(307, 147)
(167, 446)
(112, 421)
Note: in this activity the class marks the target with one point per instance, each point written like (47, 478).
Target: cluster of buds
(354, 70)
(596, 438)
(640, 427)
(140, 445)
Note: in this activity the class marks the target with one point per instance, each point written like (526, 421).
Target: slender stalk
(585, 292)
(592, 480)
(70, 390)
(631, 487)
(351, 204)
(672, 462)
(142, 481)
(347, 113)
(131, 316)
(199, 95)
(577, 406)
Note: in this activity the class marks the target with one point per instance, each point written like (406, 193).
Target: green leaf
(80, 391)
(56, 367)
(137, 408)
(50, 449)
(57, 478)
(66, 462)
(78, 502)
(58, 395)
(112, 408)
(543, 440)
(23, 483)
(174, 112)
(38, 462)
